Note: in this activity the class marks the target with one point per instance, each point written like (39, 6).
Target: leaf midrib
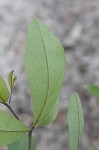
(78, 120)
(14, 131)
(38, 119)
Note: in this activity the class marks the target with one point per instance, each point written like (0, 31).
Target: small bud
(11, 79)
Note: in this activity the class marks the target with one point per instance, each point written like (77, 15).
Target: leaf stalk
(12, 111)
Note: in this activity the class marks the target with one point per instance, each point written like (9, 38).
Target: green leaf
(4, 94)
(93, 89)
(22, 144)
(51, 116)
(11, 79)
(44, 62)
(75, 121)
(10, 129)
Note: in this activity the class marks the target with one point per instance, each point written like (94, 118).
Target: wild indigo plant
(45, 65)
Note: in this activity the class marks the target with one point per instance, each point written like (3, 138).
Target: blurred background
(76, 24)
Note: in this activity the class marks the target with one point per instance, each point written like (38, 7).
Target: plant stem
(30, 138)
(12, 111)
(10, 95)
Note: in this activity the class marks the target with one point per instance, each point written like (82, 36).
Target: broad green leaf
(93, 89)
(75, 121)
(4, 94)
(21, 144)
(11, 79)
(51, 116)
(44, 62)
(10, 129)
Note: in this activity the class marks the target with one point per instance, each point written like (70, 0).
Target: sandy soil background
(76, 24)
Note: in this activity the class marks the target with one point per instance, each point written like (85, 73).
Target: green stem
(30, 138)
(10, 96)
(12, 111)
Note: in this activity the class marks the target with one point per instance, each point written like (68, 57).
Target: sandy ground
(82, 54)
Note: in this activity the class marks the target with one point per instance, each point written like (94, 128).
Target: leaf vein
(46, 97)
(78, 121)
